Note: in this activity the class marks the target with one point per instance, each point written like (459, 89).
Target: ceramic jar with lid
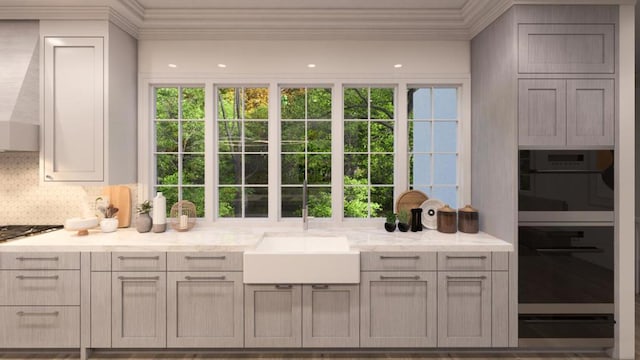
(446, 220)
(468, 220)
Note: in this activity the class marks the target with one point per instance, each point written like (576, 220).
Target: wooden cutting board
(120, 197)
(410, 200)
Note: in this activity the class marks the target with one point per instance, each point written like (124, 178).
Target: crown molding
(279, 23)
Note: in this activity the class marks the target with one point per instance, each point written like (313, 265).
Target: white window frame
(146, 144)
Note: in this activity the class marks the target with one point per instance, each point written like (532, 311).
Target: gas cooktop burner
(14, 231)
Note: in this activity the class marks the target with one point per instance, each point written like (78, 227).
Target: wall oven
(565, 248)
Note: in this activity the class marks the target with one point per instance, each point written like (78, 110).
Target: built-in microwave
(565, 185)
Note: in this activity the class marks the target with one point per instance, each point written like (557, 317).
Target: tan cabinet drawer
(35, 260)
(40, 287)
(464, 261)
(139, 261)
(204, 261)
(398, 261)
(40, 327)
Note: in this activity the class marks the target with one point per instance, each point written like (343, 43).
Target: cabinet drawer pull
(416, 277)
(205, 277)
(205, 257)
(449, 277)
(283, 287)
(22, 258)
(467, 257)
(139, 257)
(139, 277)
(23, 277)
(48, 177)
(383, 257)
(36, 313)
(319, 287)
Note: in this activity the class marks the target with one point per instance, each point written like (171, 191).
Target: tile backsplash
(26, 201)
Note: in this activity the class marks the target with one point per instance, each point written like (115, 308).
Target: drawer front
(398, 261)
(37, 261)
(139, 261)
(464, 261)
(40, 287)
(100, 261)
(204, 261)
(40, 327)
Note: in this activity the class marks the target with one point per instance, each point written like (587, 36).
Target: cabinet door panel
(139, 309)
(542, 112)
(330, 315)
(73, 109)
(590, 112)
(273, 316)
(205, 309)
(398, 309)
(39, 327)
(566, 48)
(464, 309)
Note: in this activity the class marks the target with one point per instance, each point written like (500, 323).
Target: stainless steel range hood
(19, 95)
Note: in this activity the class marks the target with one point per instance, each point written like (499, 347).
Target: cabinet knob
(48, 177)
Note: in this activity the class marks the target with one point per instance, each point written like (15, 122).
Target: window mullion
(210, 152)
(180, 150)
(401, 143)
(273, 148)
(337, 147)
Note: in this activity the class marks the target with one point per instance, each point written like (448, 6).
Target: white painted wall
(270, 58)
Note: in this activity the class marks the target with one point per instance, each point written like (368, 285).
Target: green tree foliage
(305, 143)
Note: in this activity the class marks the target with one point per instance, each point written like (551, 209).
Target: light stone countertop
(211, 238)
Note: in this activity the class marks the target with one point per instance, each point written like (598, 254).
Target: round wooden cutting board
(410, 200)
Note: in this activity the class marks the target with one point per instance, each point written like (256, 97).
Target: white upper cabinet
(89, 103)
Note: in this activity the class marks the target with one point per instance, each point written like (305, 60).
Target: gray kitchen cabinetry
(285, 315)
(398, 309)
(398, 301)
(464, 309)
(558, 112)
(39, 300)
(205, 303)
(138, 300)
(139, 309)
(330, 315)
(273, 315)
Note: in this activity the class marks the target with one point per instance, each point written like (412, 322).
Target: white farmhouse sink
(302, 259)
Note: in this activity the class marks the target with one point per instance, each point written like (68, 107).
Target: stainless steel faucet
(305, 206)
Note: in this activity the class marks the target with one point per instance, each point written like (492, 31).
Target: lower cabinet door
(464, 309)
(273, 316)
(330, 316)
(398, 309)
(139, 309)
(39, 327)
(204, 309)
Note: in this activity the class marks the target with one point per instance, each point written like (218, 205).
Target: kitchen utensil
(446, 219)
(430, 213)
(468, 220)
(410, 200)
(120, 197)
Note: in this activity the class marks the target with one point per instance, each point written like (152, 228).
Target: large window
(243, 166)
(433, 142)
(369, 123)
(179, 144)
(305, 150)
(357, 146)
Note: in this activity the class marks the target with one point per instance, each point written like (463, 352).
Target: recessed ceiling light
(222, 66)
(311, 66)
(397, 66)
(173, 66)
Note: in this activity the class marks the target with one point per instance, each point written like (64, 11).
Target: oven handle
(566, 171)
(586, 249)
(569, 321)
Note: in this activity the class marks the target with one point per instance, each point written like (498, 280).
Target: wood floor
(319, 356)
